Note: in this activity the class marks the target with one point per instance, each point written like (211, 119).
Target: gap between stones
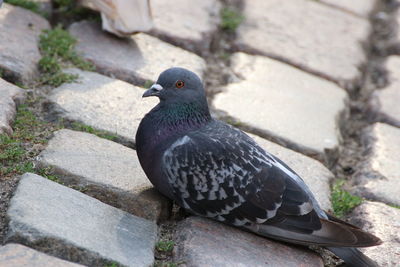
(353, 123)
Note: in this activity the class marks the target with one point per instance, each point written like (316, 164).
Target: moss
(16, 150)
(230, 19)
(78, 126)
(394, 206)
(165, 246)
(57, 48)
(30, 5)
(342, 201)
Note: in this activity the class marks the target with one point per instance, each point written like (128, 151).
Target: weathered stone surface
(102, 102)
(326, 43)
(135, 60)
(20, 256)
(202, 242)
(384, 162)
(191, 28)
(73, 226)
(9, 95)
(384, 222)
(389, 97)
(316, 175)
(284, 102)
(360, 8)
(112, 171)
(19, 35)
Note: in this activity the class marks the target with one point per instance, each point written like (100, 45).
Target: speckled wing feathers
(231, 179)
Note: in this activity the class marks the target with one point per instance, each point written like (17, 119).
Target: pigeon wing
(228, 177)
(221, 173)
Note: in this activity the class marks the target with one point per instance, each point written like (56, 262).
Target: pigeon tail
(353, 257)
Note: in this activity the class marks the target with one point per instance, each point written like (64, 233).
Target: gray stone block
(70, 225)
(15, 255)
(284, 102)
(134, 60)
(185, 26)
(388, 99)
(109, 171)
(19, 36)
(10, 94)
(202, 242)
(380, 173)
(307, 34)
(382, 221)
(102, 102)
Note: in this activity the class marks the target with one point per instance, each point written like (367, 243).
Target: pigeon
(215, 170)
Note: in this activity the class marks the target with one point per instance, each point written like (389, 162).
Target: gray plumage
(215, 170)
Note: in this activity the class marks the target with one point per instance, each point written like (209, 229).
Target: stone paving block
(326, 43)
(202, 242)
(102, 102)
(284, 102)
(134, 60)
(68, 224)
(185, 26)
(9, 95)
(110, 171)
(316, 175)
(384, 222)
(19, 36)
(15, 255)
(389, 97)
(360, 8)
(380, 178)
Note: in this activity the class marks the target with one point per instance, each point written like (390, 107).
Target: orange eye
(179, 84)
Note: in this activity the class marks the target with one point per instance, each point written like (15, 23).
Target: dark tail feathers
(353, 257)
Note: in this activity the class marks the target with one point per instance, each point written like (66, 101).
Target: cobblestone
(19, 35)
(384, 222)
(102, 102)
(111, 172)
(134, 60)
(284, 102)
(9, 95)
(388, 98)
(76, 227)
(203, 242)
(326, 43)
(188, 27)
(14, 255)
(383, 161)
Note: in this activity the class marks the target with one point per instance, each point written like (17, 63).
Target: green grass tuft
(15, 151)
(78, 126)
(394, 206)
(165, 246)
(30, 5)
(230, 19)
(113, 264)
(57, 48)
(342, 201)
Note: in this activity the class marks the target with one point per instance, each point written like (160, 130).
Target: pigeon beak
(154, 90)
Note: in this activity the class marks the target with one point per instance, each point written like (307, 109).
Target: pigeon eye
(179, 84)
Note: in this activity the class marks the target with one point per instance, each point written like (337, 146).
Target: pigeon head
(177, 85)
